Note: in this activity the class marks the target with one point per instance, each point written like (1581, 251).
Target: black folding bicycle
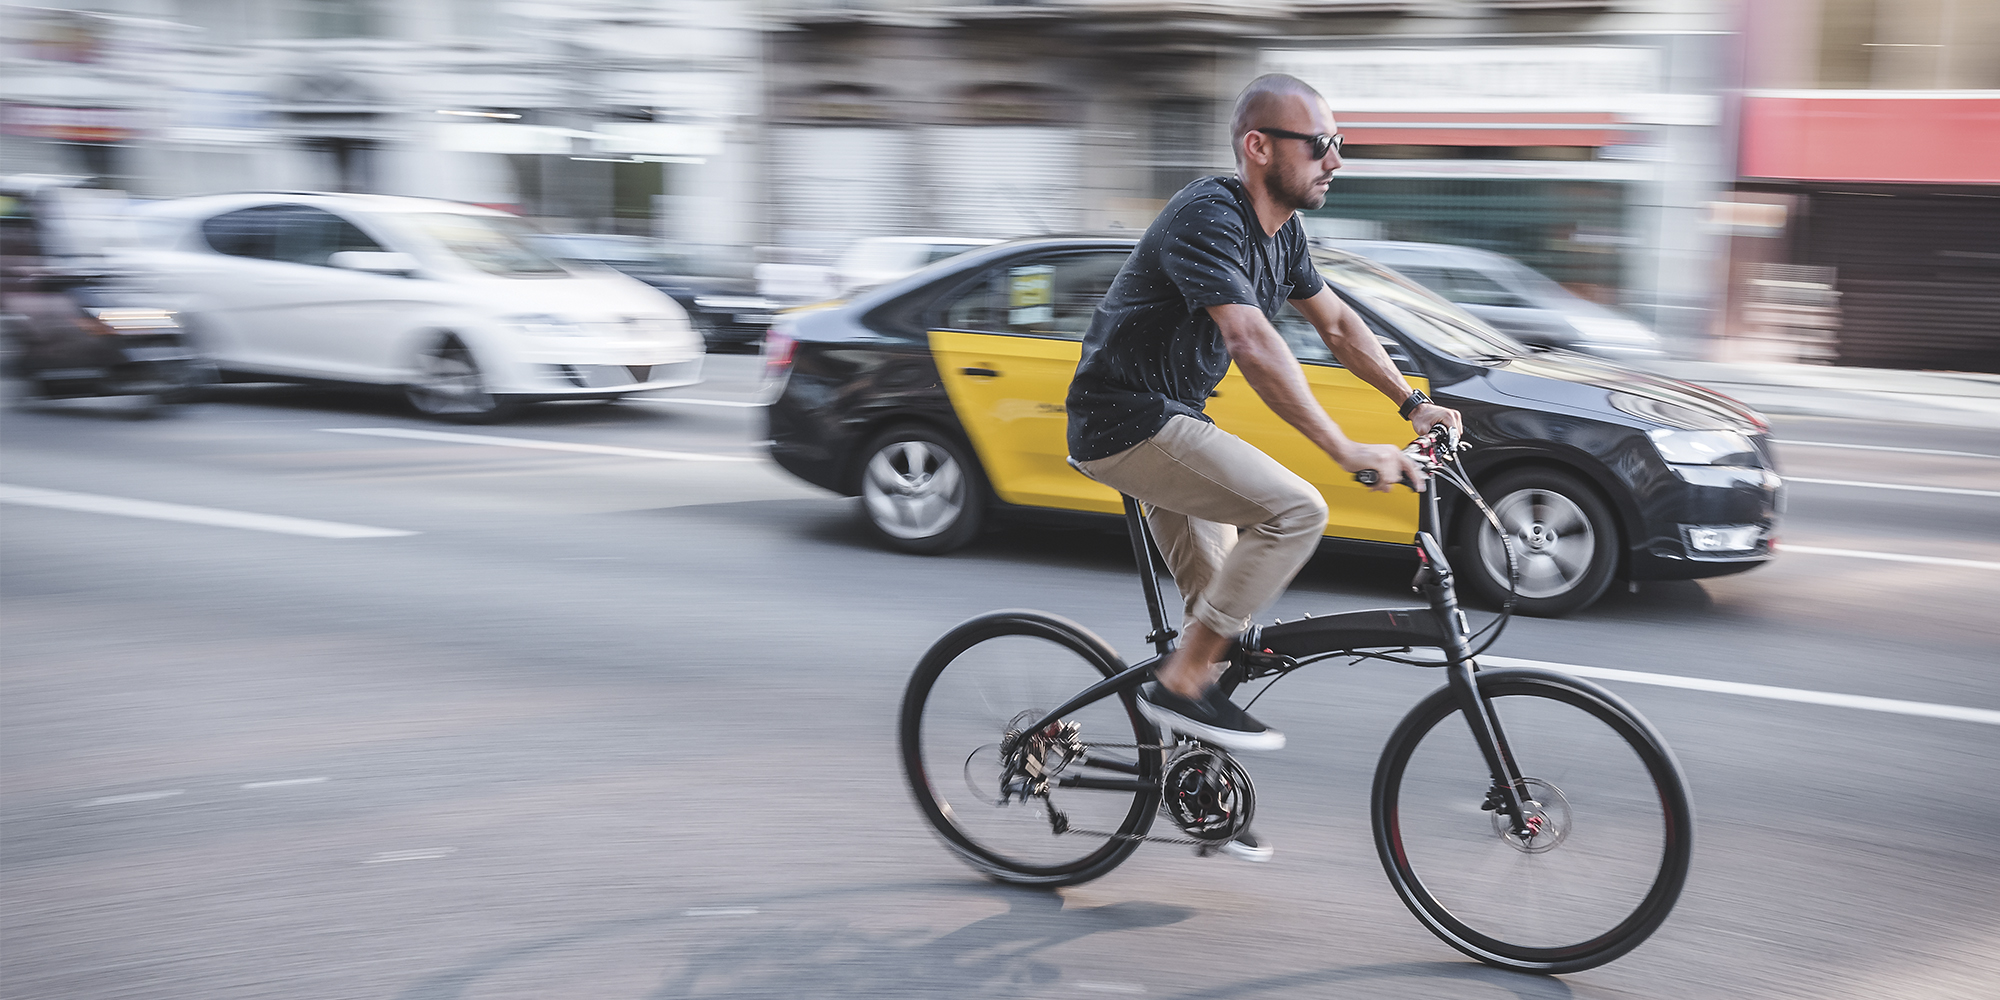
(1532, 820)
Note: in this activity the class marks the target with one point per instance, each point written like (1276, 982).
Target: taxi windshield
(1418, 311)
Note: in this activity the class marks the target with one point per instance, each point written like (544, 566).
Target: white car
(877, 259)
(1516, 299)
(449, 302)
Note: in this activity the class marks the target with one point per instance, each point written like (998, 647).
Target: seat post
(1161, 637)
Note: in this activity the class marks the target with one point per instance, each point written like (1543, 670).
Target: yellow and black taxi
(938, 400)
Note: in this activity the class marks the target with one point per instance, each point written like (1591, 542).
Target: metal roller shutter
(1918, 273)
(838, 184)
(1004, 180)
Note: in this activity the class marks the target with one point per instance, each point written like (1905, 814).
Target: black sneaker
(1213, 719)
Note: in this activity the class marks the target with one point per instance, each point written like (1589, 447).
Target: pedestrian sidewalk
(1966, 399)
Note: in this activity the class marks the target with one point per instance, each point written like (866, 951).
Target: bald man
(1198, 292)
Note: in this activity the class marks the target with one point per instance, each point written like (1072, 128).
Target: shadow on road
(828, 944)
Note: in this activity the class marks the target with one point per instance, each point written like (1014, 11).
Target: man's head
(1286, 167)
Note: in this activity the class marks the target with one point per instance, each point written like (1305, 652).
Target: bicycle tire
(1011, 667)
(1552, 909)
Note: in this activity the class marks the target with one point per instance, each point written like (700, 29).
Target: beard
(1295, 193)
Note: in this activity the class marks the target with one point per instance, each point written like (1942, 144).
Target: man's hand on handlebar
(1429, 415)
(1383, 467)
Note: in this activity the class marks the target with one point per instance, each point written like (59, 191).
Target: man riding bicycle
(1235, 526)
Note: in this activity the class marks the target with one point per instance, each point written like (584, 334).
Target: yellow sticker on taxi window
(1030, 295)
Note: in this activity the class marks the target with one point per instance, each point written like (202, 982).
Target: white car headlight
(1704, 447)
(544, 325)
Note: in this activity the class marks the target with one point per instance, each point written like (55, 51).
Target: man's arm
(1268, 365)
(1355, 345)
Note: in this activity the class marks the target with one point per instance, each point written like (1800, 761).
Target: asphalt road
(621, 724)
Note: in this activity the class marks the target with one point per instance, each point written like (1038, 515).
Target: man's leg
(1194, 551)
(1204, 473)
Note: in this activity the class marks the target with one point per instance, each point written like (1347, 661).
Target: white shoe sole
(1227, 739)
(1244, 852)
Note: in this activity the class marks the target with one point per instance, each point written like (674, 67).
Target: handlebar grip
(1368, 477)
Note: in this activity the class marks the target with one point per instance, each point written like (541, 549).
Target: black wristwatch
(1417, 398)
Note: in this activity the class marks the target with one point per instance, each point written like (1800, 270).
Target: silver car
(1514, 298)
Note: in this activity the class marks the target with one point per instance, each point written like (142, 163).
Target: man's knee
(1300, 512)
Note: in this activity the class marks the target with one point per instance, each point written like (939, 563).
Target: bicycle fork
(1434, 581)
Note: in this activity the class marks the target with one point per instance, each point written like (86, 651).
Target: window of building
(339, 19)
(1909, 45)
(1179, 150)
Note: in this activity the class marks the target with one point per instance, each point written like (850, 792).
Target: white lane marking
(1883, 447)
(1956, 713)
(1111, 987)
(282, 783)
(422, 854)
(695, 402)
(497, 441)
(1814, 550)
(113, 800)
(720, 911)
(214, 516)
(1896, 486)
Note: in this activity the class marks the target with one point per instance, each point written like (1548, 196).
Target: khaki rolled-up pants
(1234, 525)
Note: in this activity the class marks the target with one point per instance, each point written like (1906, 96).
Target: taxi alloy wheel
(920, 491)
(1564, 537)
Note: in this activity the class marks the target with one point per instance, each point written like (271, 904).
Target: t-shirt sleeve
(1303, 277)
(1203, 253)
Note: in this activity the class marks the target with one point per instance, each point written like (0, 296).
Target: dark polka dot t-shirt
(1152, 350)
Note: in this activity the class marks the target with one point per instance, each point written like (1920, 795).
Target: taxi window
(1307, 346)
(1037, 297)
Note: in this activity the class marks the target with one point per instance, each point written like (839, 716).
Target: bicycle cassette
(1208, 794)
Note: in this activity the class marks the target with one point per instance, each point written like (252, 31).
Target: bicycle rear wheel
(1608, 797)
(997, 673)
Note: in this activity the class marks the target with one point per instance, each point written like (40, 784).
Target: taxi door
(1363, 413)
(1006, 351)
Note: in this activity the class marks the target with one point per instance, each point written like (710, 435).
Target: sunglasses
(1320, 143)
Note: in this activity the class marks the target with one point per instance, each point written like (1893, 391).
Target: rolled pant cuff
(1217, 622)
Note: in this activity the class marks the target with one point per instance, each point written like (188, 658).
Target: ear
(1256, 148)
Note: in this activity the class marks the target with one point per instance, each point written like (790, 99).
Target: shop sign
(1593, 77)
(68, 124)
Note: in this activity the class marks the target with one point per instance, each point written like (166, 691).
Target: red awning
(1397, 128)
(1899, 137)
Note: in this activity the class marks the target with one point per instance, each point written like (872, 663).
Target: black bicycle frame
(1440, 626)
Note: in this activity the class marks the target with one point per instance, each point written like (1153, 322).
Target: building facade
(608, 115)
(1585, 137)
(1867, 219)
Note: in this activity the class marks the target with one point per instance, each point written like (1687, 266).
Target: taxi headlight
(1704, 447)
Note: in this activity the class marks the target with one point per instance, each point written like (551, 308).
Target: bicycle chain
(1059, 819)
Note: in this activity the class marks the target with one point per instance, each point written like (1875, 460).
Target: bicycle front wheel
(1012, 816)
(1610, 808)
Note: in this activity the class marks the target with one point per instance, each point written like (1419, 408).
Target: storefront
(1895, 196)
(1571, 159)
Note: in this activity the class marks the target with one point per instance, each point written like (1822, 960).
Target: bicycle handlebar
(1424, 450)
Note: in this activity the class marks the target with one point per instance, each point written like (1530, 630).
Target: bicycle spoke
(1610, 850)
(996, 810)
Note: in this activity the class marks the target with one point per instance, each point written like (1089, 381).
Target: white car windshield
(496, 244)
(1418, 311)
